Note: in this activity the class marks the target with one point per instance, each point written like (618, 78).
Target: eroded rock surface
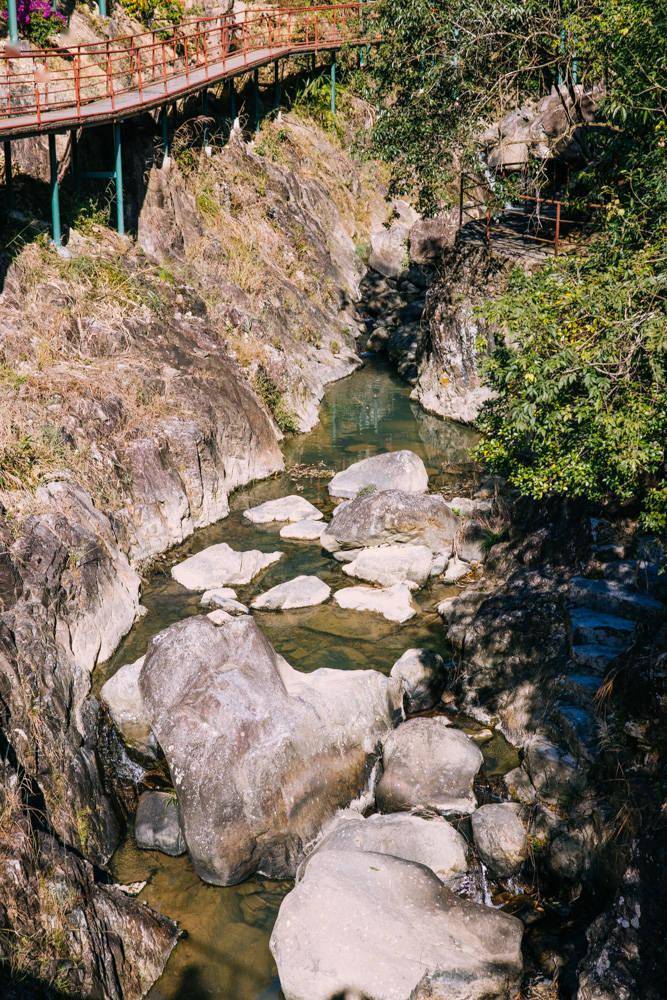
(308, 530)
(260, 755)
(122, 697)
(378, 926)
(156, 824)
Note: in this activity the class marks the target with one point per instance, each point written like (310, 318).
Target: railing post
(12, 22)
(9, 176)
(118, 177)
(56, 231)
(204, 111)
(333, 84)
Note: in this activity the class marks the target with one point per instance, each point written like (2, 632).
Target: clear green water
(225, 954)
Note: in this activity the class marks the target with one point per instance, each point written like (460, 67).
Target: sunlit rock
(219, 565)
(500, 837)
(393, 603)
(291, 508)
(398, 470)
(391, 564)
(301, 592)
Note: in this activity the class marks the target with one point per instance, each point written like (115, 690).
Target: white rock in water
(216, 598)
(394, 470)
(304, 531)
(301, 592)
(428, 764)
(426, 841)
(219, 565)
(373, 925)
(292, 508)
(390, 564)
(393, 603)
(500, 837)
(122, 697)
(456, 570)
(420, 675)
(219, 617)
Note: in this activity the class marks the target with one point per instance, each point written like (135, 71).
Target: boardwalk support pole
(12, 22)
(204, 111)
(118, 177)
(333, 85)
(232, 102)
(164, 117)
(255, 94)
(102, 4)
(276, 85)
(74, 160)
(56, 231)
(9, 177)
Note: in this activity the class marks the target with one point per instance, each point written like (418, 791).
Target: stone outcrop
(261, 756)
(292, 508)
(379, 926)
(387, 565)
(122, 697)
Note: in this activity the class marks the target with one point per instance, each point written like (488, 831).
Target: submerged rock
(431, 842)
(399, 470)
(122, 697)
(292, 508)
(393, 603)
(391, 564)
(430, 765)
(421, 675)
(389, 516)
(500, 837)
(219, 565)
(301, 592)
(308, 530)
(156, 824)
(261, 756)
(380, 926)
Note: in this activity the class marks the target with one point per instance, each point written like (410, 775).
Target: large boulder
(420, 675)
(301, 592)
(427, 764)
(378, 926)
(260, 755)
(500, 837)
(390, 564)
(393, 603)
(291, 508)
(431, 842)
(389, 517)
(156, 824)
(398, 470)
(122, 697)
(220, 565)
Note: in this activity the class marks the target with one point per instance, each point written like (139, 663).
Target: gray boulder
(500, 837)
(377, 926)
(431, 842)
(156, 825)
(399, 470)
(391, 516)
(122, 697)
(261, 756)
(420, 675)
(427, 764)
(219, 565)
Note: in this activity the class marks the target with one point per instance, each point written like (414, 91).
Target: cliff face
(141, 384)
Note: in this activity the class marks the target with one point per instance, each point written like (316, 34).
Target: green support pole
(103, 8)
(164, 120)
(333, 85)
(56, 231)
(276, 85)
(256, 109)
(12, 22)
(233, 110)
(204, 111)
(9, 176)
(118, 176)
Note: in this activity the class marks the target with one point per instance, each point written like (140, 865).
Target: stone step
(591, 626)
(613, 598)
(595, 656)
(579, 727)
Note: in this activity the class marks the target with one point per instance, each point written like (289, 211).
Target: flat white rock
(394, 470)
(301, 592)
(456, 570)
(393, 603)
(219, 565)
(390, 564)
(216, 598)
(308, 530)
(292, 508)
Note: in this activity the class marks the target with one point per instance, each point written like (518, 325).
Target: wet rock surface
(382, 926)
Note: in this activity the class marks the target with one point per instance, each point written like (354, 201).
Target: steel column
(164, 120)
(233, 111)
(56, 231)
(255, 94)
(9, 176)
(204, 111)
(118, 176)
(12, 22)
(333, 85)
(102, 4)
(276, 85)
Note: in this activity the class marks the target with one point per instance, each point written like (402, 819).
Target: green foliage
(314, 101)
(167, 12)
(272, 397)
(581, 407)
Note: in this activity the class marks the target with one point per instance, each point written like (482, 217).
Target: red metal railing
(41, 87)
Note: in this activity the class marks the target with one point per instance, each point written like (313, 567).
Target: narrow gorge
(302, 695)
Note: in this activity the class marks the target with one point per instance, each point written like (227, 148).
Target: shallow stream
(225, 954)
